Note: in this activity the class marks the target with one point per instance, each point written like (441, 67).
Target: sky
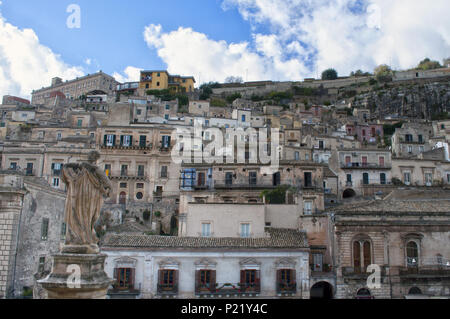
(213, 39)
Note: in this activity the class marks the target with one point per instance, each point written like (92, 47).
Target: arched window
(362, 255)
(412, 254)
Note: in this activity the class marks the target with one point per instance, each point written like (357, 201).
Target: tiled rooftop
(277, 238)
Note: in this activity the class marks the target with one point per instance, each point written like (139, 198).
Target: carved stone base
(80, 249)
(63, 283)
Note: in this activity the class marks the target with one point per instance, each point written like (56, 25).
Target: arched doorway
(414, 291)
(349, 193)
(123, 198)
(321, 290)
(364, 293)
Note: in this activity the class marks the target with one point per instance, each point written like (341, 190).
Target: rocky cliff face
(416, 100)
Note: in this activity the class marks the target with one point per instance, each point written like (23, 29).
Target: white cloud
(187, 52)
(131, 75)
(308, 36)
(26, 64)
(352, 34)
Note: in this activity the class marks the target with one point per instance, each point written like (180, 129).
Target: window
(63, 231)
(139, 112)
(29, 170)
(126, 140)
(44, 229)
(383, 179)
(167, 280)
(408, 138)
(381, 161)
(243, 118)
(407, 178)
(365, 178)
(124, 170)
(206, 280)
(141, 170)
(124, 278)
(250, 280)
(163, 171)
(297, 156)
(140, 185)
(252, 178)
(142, 141)
(420, 139)
(201, 179)
(206, 229)
(362, 255)
(13, 165)
(55, 182)
(167, 107)
(308, 179)
(364, 161)
(41, 265)
(428, 179)
(307, 208)
(59, 136)
(166, 116)
(245, 230)
(139, 195)
(228, 178)
(276, 179)
(349, 179)
(412, 254)
(56, 169)
(165, 141)
(80, 123)
(107, 169)
(286, 280)
(317, 262)
(109, 140)
(123, 185)
(410, 149)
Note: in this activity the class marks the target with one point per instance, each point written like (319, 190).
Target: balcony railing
(127, 176)
(167, 289)
(130, 147)
(365, 166)
(285, 287)
(229, 289)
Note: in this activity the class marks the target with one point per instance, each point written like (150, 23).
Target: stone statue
(86, 187)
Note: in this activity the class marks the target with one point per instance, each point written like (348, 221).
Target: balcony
(229, 289)
(128, 148)
(116, 293)
(127, 176)
(358, 165)
(286, 288)
(167, 290)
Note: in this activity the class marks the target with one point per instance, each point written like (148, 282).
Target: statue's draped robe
(85, 190)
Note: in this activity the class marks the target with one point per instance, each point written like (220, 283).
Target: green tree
(383, 73)
(359, 73)
(427, 64)
(329, 74)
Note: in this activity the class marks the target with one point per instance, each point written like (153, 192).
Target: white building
(274, 266)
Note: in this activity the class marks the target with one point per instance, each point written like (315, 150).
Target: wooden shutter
(293, 277)
(175, 278)
(116, 271)
(242, 276)
(257, 276)
(131, 280)
(367, 255)
(105, 137)
(114, 140)
(131, 140)
(161, 277)
(213, 280)
(279, 273)
(197, 279)
(356, 256)
(121, 140)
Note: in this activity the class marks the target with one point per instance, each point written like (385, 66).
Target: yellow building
(162, 80)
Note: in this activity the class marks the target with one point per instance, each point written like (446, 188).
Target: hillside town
(325, 188)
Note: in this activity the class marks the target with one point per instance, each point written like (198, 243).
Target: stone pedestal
(62, 282)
